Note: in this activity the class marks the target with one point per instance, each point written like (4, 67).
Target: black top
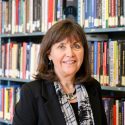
(75, 108)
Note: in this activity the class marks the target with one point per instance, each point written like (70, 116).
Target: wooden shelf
(14, 79)
(87, 30)
(109, 88)
(5, 121)
(104, 30)
(22, 35)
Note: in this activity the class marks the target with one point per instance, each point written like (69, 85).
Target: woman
(64, 92)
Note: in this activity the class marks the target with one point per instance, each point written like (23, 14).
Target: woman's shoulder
(92, 86)
(32, 84)
(92, 82)
(35, 86)
(36, 83)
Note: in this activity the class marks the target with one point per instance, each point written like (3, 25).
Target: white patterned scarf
(84, 109)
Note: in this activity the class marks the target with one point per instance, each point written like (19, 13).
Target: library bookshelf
(113, 60)
(107, 90)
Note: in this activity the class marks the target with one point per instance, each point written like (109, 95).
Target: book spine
(46, 16)
(124, 12)
(7, 59)
(86, 23)
(14, 17)
(116, 13)
(34, 14)
(106, 13)
(6, 106)
(118, 6)
(1, 58)
(31, 16)
(104, 63)
(17, 16)
(107, 63)
(116, 63)
(101, 63)
(27, 16)
(50, 13)
(95, 58)
(79, 12)
(123, 65)
(10, 56)
(28, 59)
(103, 14)
(119, 63)
(10, 17)
(0, 16)
(93, 13)
(39, 5)
(111, 63)
(113, 14)
(100, 13)
(24, 60)
(92, 58)
(3, 16)
(121, 13)
(98, 60)
(90, 13)
(114, 114)
(1, 102)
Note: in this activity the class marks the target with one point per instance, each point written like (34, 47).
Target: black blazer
(39, 104)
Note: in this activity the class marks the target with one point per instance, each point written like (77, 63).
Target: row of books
(17, 16)
(115, 111)
(18, 60)
(9, 96)
(107, 60)
(104, 13)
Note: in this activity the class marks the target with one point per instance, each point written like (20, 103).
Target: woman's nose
(69, 52)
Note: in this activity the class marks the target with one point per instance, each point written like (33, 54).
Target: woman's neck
(68, 85)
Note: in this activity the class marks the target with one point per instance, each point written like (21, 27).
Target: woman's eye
(77, 46)
(61, 46)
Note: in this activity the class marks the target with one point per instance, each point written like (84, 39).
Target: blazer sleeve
(25, 108)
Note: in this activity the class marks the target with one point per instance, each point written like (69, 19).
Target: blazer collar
(51, 104)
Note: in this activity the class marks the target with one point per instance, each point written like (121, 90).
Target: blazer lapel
(52, 105)
(54, 113)
(94, 101)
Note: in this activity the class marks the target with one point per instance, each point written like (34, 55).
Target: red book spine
(11, 97)
(98, 67)
(2, 102)
(50, 13)
(114, 114)
(105, 63)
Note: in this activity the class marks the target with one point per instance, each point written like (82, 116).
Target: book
(1, 102)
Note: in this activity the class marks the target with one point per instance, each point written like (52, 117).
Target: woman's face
(67, 57)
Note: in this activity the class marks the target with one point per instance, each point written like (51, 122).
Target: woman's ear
(49, 55)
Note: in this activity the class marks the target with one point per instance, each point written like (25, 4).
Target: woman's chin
(69, 73)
